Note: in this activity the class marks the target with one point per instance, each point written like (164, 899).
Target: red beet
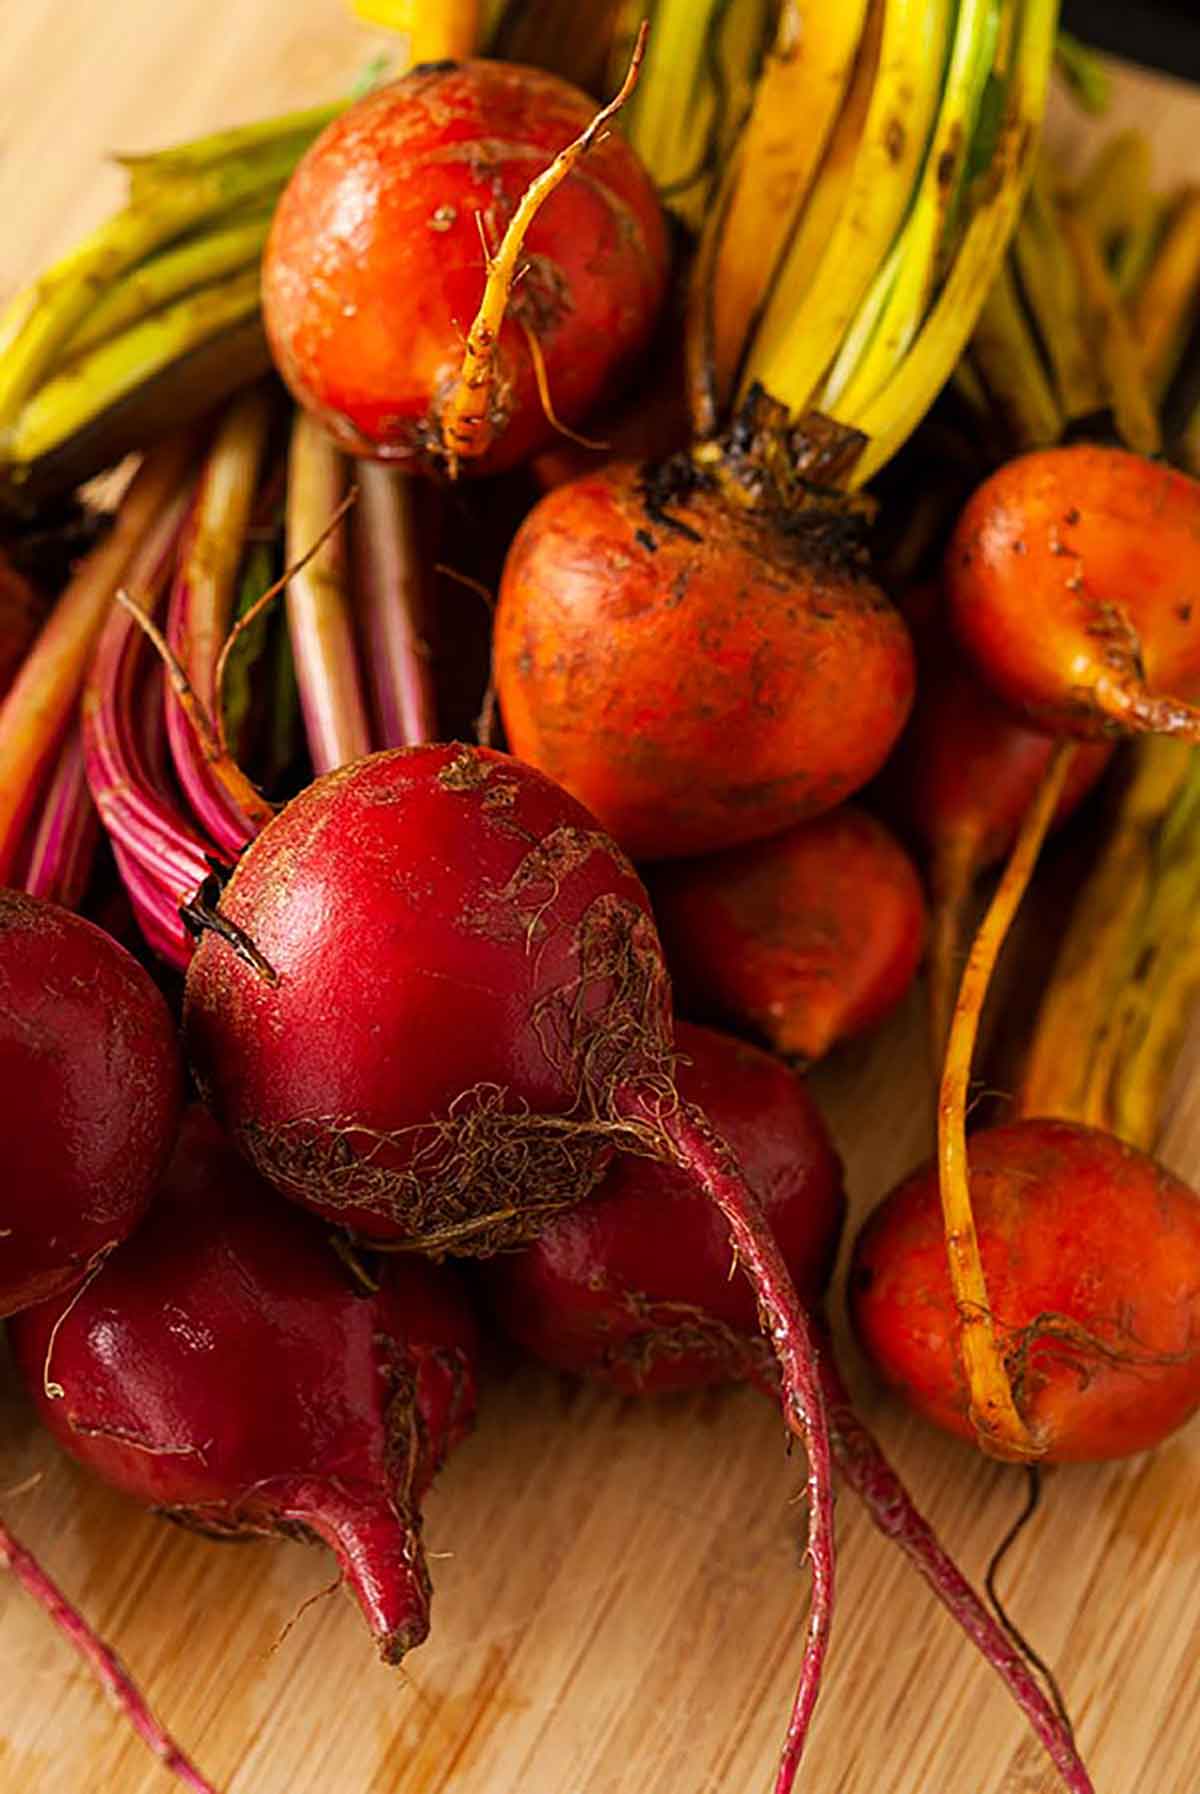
(90, 1072)
(808, 938)
(225, 1368)
(633, 1286)
(377, 259)
(448, 1008)
(695, 673)
(1092, 1257)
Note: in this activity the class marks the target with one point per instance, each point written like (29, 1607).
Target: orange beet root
(376, 262)
(695, 674)
(1073, 579)
(1092, 1256)
(807, 938)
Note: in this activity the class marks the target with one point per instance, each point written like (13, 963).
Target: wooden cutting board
(619, 1598)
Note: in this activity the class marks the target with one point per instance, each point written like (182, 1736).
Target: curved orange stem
(993, 1408)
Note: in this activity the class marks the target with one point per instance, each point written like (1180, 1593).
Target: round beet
(462, 959)
(1092, 1257)
(225, 1368)
(693, 672)
(90, 1072)
(377, 259)
(633, 1286)
(1071, 581)
(808, 938)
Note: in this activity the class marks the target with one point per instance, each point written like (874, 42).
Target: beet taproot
(90, 1069)
(1092, 1256)
(379, 250)
(695, 673)
(225, 1368)
(807, 939)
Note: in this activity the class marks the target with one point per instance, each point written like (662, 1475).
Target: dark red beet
(90, 1071)
(808, 938)
(281, 1396)
(377, 258)
(1092, 1257)
(462, 957)
(448, 1007)
(633, 1286)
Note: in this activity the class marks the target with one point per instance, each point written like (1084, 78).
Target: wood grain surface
(619, 1597)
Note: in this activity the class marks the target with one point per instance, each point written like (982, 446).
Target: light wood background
(618, 1602)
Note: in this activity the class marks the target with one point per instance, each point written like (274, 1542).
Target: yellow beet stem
(1001, 1430)
(436, 30)
(42, 699)
(1164, 308)
(1113, 342)
(1100, 947)
(771, 170)
(85, 388)
(467, 428)
(1005, 355)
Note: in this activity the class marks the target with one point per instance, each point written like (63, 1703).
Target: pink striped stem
(63, 845)
(162, 857)
(203, 598)
(319, 609)
(37, 711)
(392, 584)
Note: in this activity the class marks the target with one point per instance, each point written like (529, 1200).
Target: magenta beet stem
(161, 857)
(785, 1322)
(378, 1549)
(103, 1662)
(390, 578)
(863, 1465)
(58, 864)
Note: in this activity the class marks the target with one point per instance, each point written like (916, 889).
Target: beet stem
(392, 584)
(1000, 1429)
(867, 1471)
(786, 1324)
(319, 608)
(101, 1659)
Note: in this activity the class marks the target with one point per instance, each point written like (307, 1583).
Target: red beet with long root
(808, 938)
(225, 1368)
(696, 673)
(633, 1286)
(633, 1289)
(90, 1071)
(1092, 1256)
(437, 1006)
(379, 252)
